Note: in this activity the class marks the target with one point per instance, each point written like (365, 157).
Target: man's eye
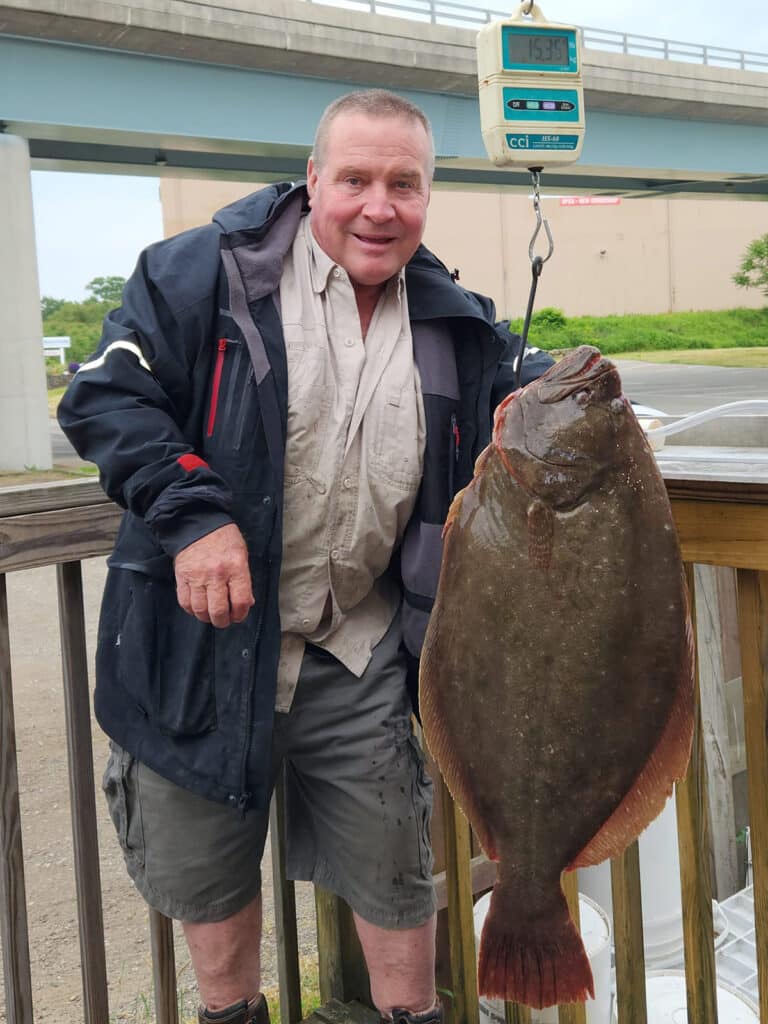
(405, 185)
(352, 180)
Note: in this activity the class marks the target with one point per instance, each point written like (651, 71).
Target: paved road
(668, 387)
(677, 390)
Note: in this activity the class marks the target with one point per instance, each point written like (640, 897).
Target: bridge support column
(24, 431)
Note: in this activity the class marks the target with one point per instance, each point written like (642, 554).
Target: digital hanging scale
(531, 93)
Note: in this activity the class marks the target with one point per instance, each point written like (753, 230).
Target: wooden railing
(722, 520)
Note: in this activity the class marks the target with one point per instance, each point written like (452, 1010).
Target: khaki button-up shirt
(354, 453)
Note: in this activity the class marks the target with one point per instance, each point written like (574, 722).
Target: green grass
(635, 333)
(54, 396)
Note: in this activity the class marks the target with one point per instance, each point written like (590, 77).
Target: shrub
(549, 317)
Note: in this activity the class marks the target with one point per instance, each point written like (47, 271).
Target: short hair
(374, 103)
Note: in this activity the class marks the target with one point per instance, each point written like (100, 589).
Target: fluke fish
(556, 684)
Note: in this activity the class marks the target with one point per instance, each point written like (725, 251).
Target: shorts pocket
(421, 796)
(120, 790)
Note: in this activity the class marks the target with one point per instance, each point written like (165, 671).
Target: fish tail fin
(536, 966)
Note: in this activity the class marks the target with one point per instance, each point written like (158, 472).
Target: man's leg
(226, 957)
(357, 806)
(197, 862)
(401, 965)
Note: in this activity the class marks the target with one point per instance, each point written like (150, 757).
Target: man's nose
(378, 204)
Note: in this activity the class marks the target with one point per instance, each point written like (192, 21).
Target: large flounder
(556, 684)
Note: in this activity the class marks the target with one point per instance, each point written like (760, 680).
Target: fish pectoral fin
(541, 529)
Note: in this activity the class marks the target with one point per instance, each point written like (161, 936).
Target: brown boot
(255, 1012)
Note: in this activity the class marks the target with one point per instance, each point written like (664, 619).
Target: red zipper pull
(222, 348)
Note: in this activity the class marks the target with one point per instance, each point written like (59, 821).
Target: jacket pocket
(166, 658)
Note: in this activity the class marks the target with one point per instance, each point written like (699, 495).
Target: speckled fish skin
(557, 673)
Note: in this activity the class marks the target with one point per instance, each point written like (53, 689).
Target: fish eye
(617, 405)
(582, 397)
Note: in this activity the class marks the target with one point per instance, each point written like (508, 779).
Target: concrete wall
(640, 256)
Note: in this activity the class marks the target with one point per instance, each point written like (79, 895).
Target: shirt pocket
(394, 445)
(310, 406)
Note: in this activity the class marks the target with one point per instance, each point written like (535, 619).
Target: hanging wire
(537, 264)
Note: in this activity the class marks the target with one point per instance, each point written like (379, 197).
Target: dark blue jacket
(183, 408)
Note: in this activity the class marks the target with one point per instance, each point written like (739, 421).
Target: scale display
(531, 93)
(524, 48)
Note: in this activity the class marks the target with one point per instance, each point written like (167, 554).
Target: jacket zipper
(243, 798)
(217, 372)
(453, 454)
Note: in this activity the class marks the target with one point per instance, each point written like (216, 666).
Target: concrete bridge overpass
(228, 87)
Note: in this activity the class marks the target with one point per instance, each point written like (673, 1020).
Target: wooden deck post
(81, 790)
(13, 905)
(626, 898)
(753, 627)
(694, 845)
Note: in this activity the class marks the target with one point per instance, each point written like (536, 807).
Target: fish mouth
(582, 369)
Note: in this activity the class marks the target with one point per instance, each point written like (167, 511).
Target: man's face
(369, 199)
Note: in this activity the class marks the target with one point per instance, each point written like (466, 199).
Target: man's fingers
(240, 597)
(213, 581)
(218, 605)
(199, 603)
(183, 595)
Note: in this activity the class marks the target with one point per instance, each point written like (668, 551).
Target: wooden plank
(340, 957)
(483, 873)
(458, 853)
(44, 538)
(714, 715)
(163, 968)
(753, 628)
(721, 533)
(628, 936)
(286, 932)
(694, 845)
(514, 1013)
(572, 1013)
(81, 790)
(14, 935)
(329, 953)
(47, 497)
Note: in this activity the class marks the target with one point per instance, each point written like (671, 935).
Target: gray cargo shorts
(358, 804)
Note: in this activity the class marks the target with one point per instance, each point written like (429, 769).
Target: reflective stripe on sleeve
(129, 346)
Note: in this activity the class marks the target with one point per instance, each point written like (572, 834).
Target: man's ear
(311, 179)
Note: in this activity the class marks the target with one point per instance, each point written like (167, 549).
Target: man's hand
(213, 581)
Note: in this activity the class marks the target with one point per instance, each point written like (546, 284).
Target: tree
(50, 305)
(106, 289)
(753, 269)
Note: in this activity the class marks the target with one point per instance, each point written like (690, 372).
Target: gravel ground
(47, 833)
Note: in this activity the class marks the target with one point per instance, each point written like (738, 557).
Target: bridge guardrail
(450, 12)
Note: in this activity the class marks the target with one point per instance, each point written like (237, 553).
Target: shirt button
(334, 555)
(347, 482)
(349, 342)
(305, 622)
(336, 272)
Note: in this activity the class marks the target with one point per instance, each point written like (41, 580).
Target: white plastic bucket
(596, 935)
(667, 1004)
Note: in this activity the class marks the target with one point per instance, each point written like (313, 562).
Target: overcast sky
(91, 225)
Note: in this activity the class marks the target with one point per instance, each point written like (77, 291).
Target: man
(284, 404)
